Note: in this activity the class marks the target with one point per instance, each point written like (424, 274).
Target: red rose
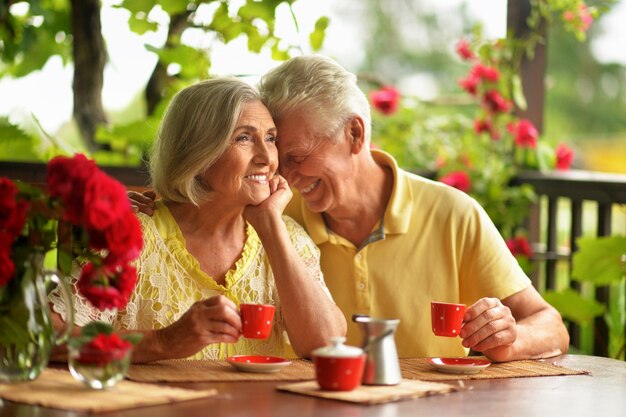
(124, 238)
(519, 246)
(463, 50)
(105, 201)
(66, 180)
(564, 157)
(8, 192)
(457, 179)
(470, 84)
(484, 72)
(495, 102)
(525, 134)
(386, 100)
(7, 268)
(103, 349)
(124, 279)
(107, 287)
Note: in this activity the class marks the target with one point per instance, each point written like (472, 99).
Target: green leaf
(133, 338)
(135, 6)
(141, 26)
(316, 38)
(518, 92)
(173, 7)
(254, 9)
(94, 328)
(545, 156)
(600, 260)
(573, 306)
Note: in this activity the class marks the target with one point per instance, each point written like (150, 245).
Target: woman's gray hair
(327, 91)
(194, 133)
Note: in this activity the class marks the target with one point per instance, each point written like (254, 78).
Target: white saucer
(459, 365)
(263, 364)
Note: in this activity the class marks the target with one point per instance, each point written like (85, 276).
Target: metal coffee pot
(382, 366)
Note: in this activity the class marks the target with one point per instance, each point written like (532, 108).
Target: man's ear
(356, 133)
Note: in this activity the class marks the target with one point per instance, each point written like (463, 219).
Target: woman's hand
(142, 202)
(274, 205)
(214, 320)
(489, 328)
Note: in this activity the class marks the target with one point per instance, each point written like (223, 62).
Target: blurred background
(405, 43)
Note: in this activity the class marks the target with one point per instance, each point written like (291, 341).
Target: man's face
(320, 168)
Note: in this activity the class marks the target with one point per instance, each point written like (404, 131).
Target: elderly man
(391, 241)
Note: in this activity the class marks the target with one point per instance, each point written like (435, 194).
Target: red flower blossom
(582, 19)
(495, 102)
(103, 349)
(470, 84)
(519, 246)
(107, 287)
(484, 72)
(124, 239)
(106, 199)
(386, 100)
(463, 50)
(457, 179)
(7, 267)
(66, 178)
(525, 134)
(485, 125)
(564, 157)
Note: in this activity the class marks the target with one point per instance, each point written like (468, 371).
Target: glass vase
(27, 335)
(99, 369)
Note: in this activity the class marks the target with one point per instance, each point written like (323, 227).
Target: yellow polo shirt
(434, 243)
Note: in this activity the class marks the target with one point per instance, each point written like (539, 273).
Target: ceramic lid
(338, 350)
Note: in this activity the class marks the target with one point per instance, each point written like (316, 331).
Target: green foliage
(31, 34)
(600, 261)
(574, 306)
(94, 328)
(38, 29)
(17, 145)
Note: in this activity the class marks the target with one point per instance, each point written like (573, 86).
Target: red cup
(339, 374)
(447, 318)
(339, 367)
(257, 320)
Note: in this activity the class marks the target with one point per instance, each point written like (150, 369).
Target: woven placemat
(213, 371)
(56, 388)
(373, 394)
(418, 368)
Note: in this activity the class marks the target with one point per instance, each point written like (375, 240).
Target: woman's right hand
(142, 202)
(214, 320)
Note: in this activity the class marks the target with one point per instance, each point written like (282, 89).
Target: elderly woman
(218, 238)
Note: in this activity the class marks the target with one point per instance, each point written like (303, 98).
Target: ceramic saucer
(459, 365)
(265, 364)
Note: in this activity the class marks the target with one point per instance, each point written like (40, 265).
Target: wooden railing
(578, 192)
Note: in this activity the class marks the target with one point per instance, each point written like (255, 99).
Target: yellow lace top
(169, 281)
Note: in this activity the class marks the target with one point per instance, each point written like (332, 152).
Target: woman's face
(242, 174)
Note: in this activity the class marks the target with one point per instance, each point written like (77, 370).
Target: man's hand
(489, 327)
(142, 202)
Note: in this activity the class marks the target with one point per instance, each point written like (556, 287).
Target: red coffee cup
(257, 320)
(339, 367)
(447, 318)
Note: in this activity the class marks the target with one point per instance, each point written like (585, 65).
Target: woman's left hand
(275, 204)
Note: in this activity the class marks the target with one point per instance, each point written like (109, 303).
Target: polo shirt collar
(395, 219)
(401, 201)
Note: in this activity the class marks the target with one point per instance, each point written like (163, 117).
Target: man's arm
(521, 326)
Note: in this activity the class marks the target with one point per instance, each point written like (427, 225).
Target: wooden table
(603, 393)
